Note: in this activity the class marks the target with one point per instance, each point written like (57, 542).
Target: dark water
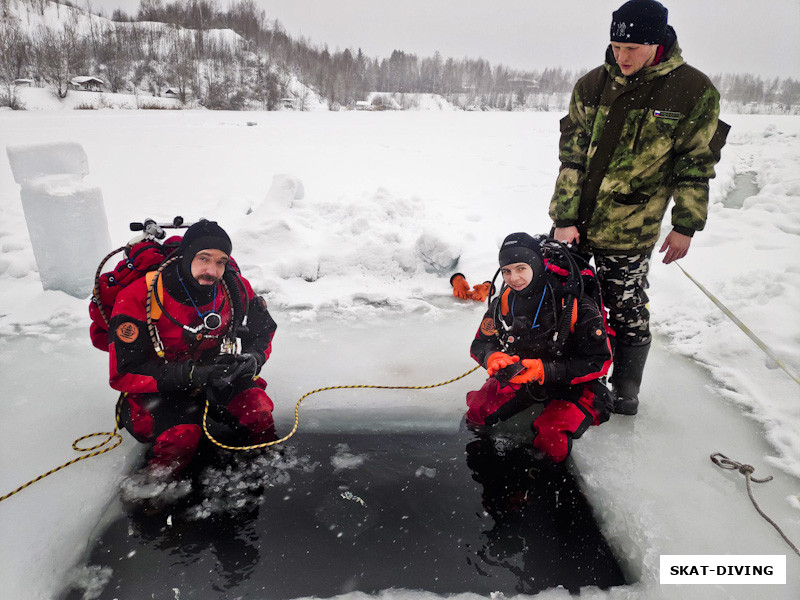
(744, 186)
(344, 512)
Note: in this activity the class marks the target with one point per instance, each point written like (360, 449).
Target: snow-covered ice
(350, 224)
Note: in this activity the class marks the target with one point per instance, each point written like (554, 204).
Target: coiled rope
(724, 462)
(324, 389)
(742, 326)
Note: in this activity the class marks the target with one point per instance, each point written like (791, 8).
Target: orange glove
(534, 371)
(499, 360)
(480, 292)
(460, 286)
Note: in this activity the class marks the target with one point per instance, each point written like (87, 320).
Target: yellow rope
(333, 387)
(111, 436)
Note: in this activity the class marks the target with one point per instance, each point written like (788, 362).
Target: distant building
(363, 105)
(85, 83)
(171, 93)
(287, 102)
(23, 82)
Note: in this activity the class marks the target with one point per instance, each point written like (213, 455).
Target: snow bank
(369, 239)
(45, 99)
(398, 101)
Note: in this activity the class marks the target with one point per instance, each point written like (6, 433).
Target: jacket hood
(671, 60)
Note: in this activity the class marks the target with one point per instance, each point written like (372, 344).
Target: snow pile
(431, 102)
(370, 239)
(398, 101)
(303, 97)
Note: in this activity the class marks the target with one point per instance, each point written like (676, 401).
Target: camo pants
(623, 281)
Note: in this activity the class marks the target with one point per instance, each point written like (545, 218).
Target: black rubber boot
(626, 378)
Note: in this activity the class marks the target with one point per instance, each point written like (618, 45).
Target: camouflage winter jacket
(662, 140)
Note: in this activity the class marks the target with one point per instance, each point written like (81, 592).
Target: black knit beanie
(523, 248)
(203, 235)
(639, 22)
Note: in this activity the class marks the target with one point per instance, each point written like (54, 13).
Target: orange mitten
(499, 360)
(460, 286)
(480, 292)
(534, 371)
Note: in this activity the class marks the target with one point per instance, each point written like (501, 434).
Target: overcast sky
(717, 36)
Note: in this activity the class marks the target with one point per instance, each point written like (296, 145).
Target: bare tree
(96, 31)
(40, 5)
(14, 50)
(59, 53)
(114, 54)
(269, 87)
(150, 10)
(14, 58)
(790, 93)
(182, 69)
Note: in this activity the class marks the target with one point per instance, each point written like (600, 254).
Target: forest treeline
(183, 45)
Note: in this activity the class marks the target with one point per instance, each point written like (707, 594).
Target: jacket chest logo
(666, 114)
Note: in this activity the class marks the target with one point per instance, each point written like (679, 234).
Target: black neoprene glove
(242, 366)
(255, 358)
(199, 375)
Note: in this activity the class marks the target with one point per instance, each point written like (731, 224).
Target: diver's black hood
(523, 248)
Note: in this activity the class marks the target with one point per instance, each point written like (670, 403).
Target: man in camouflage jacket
(642, 128)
